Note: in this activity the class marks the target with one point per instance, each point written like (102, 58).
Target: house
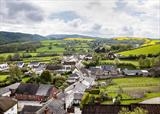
(35, 92)
(73, 78)
(30, 109)
(8, 105)
(20, 64)
(88, 57)
(38, 70)
(77, 98)
(33, 64)
(4, 67)
(111, 55)
(52, 106)
(135, 72)
(52, 67)
(7, 91)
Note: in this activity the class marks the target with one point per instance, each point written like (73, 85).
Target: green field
(121, 61)
(153, 49)
(146, 87)
(3, 77)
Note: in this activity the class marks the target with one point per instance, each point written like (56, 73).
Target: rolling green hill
(153, 49)
(14, 37)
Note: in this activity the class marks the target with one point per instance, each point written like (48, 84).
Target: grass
(25, 79)
(129, 38)
(121, 61)
(41, 59)
(149, 86)
(3, 77)
(54, 49)
(153, 49)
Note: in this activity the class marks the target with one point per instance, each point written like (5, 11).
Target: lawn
(121, 61)
(54, 49)
(3, 77)
(148, 87)
(41, 59)
(153, 49)
(25, 79)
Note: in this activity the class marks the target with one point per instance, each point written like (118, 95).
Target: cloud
(15, 11)
(65, 15)
(104, 18)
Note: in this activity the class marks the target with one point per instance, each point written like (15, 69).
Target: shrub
(84, 100)
(94, 91)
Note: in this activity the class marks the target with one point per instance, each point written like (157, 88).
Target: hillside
(142, 41)
(11, 37)
(153, 49)
(63, 36)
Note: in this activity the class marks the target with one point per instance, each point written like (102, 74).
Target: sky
(101, 18)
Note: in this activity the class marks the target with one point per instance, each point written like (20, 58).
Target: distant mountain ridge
(11, 37)
(62, 36)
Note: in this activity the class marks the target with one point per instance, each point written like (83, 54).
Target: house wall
(7, 94)
(12, 110)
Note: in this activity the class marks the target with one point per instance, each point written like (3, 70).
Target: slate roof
(44, 90)
(35, 89)
(28, 109)
(54, 106)
(69, 63)
(54, 67)
(6, 103)
(108, 67)
(78, 96)
(29, 89)
(7, 88)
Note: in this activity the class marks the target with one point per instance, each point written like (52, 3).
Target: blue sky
(103, 18)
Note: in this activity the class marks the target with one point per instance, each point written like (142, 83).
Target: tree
(15, 73)
(141, 62)
(46, 76)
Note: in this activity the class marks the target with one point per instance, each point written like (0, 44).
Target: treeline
(136, 57)
(114, 48)
(28, 47)
(148, 62)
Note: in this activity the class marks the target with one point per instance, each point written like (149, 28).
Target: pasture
(153, 49)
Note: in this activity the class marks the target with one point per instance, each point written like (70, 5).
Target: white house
(20, 64)
(8, 105)
(4, 67)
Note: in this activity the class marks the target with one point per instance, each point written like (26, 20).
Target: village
(37, 98)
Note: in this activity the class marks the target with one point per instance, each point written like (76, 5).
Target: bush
(94, 91)
(84, 100)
